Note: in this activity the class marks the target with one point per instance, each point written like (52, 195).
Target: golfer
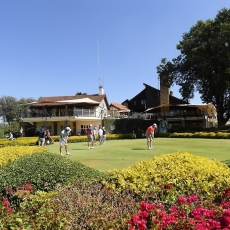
(150, 136)
(90, 137)
(63, 140)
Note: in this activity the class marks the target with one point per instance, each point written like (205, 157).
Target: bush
(22, 141)
(11, 153)
(45, 170)
(187, 213)
(86, 204)
(187, 174)
(74, 139)
(209, 135)
(36, 212)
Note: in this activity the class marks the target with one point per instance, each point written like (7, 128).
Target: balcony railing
(83, 112)
(79, 112)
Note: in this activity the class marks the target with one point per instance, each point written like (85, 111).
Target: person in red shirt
(150, 136)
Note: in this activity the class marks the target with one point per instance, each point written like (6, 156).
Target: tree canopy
(11, 107)
(204, 64)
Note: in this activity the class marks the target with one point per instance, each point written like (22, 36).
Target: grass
(120, 154)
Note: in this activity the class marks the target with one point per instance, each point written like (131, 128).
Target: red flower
(169, 186)
(181, 200)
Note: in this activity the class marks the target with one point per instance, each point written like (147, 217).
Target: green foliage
(7, 107)
(204, 63)
(2, 131)
(45, 170)
(13, 127)
(85, 203)
(11, 108)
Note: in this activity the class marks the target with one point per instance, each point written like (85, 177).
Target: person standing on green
(89, 132)
(150, 136)
(63, 140)
(104, 135)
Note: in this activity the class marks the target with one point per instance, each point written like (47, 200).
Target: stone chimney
(171, 93)
(164, 91)
(164, 95)
(101, 90)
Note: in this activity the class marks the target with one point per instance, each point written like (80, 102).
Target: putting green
(121, 154)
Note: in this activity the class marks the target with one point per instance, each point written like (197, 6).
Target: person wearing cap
(155, 129)
(104, 135)
(150, 136)
(89, 132)
(63, 140)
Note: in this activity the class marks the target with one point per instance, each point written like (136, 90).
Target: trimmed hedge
(22, 141)
(45, 170)
(185, 172)
(208, 135)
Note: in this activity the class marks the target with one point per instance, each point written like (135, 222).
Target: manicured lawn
(121, 154)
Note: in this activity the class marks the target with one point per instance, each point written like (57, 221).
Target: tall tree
(11, 108)
(6, 103)
(204, 64)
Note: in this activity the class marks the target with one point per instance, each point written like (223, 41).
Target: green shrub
(45, 170)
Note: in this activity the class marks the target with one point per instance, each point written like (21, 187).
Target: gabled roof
(120, 107)
(146, 85)
(77, 99)
(206, 108)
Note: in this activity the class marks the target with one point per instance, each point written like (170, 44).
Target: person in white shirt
(63, 140)
(95, 136)
(100, 134)
(11, 137)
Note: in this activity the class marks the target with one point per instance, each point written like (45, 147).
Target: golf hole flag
(21, 130)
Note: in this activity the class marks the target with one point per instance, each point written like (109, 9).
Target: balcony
(77, 112)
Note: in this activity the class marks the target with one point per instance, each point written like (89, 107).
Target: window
(143, 102)
(78, 112)
(134, 103)
(91, 111)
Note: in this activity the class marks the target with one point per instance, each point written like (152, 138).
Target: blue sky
(50, 48)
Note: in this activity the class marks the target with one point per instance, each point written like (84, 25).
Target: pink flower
(192, 198)
(181, 200)
(147, 207)
(6, 204)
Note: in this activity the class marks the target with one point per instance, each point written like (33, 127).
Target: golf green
(120, 154)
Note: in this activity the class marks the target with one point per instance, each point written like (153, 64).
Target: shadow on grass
(140, 149)
(82, 149)
(227, 162)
